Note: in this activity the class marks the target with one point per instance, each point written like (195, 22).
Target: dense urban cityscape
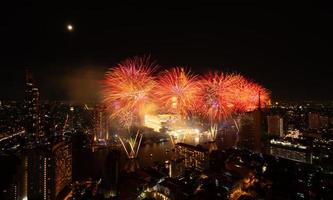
(172, 130)
(63, 150)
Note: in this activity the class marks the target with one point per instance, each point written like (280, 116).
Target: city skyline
(155, 101)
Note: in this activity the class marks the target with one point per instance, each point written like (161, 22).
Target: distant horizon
(91, 75)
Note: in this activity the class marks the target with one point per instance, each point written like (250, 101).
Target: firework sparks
(133, 145)
(215, 96)
(258, 97)
(212, 132)
(177, 90)
(224, 94)
(127, 89)
(248, 95)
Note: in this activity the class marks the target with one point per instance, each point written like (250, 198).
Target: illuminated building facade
(62, 158)
(39, 174)
(195, 157)
(156, 122)
(101, 125)
(49, 171)
(32, 109)
(292, 151)
(275, 125)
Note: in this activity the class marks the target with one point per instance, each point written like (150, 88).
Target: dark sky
(287, 48)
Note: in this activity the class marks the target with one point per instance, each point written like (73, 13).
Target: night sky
(287, 48)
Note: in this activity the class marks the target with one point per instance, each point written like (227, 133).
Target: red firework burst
(223, 94)
(256, 96)
(245, 94)
(177, 90)
(127, 87)
(215, 98)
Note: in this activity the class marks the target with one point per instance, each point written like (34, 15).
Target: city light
(86, 112)
(131, 92)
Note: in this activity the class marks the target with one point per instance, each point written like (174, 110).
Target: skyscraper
(101, 125)
(32, 109)
(39, 174)
(251, 129)
(62, 173)
(49, 171)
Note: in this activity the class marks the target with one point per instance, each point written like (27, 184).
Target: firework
(127, 88)
(245, 95)
(133, 145)
(258, 96)
(177, 90)
(212, 132)
(215, 97)
(238, 96)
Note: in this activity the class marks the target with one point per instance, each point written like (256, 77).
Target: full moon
(70, 27)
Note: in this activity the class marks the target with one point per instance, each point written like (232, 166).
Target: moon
(70, 27)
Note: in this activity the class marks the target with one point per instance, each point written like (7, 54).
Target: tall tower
(39, 171)
(49, 171)
(32, 110)
(101, 125)
(251, 129)
(257, 126)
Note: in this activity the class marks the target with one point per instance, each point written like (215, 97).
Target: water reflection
(155, 152)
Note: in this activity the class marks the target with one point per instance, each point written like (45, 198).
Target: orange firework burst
(127, 88)
(241, 92)
(177, 90)
(245, 94)
(215, 98)
(256, 96)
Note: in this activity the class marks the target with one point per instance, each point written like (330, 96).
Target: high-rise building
(290, 150)
(62, 159)
(251, 129)
(32, 110)
(49, 171)
(275, 125)
(39, 174)
(101, 125)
